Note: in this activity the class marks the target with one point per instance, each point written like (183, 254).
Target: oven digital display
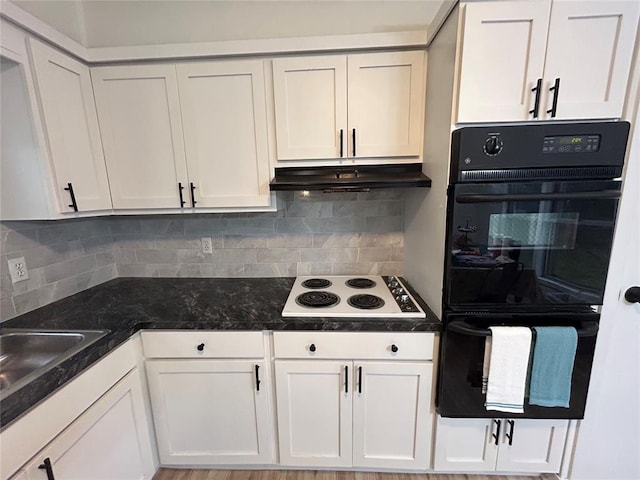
(571, 144)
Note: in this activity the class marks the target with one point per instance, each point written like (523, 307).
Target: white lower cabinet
(314, 413)
(392, 421)
(108, 441)
(337, 411)
(209, 397)
(210, 411)
(483, 445)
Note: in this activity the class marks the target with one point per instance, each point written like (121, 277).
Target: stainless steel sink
(27, 354)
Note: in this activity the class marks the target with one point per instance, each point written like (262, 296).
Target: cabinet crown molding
(220, 49)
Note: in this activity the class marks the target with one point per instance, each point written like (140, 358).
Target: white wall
(64, 15)
(111, 23)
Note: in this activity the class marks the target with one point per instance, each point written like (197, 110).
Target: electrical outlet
(207, 246)
(18, 269)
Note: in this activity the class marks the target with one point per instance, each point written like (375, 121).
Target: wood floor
(172, 474)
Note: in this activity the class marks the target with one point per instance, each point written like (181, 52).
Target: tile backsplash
(314, 234)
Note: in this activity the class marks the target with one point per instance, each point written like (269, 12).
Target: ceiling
(110, 23)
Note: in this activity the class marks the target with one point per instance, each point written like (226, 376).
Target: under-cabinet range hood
(353, 178)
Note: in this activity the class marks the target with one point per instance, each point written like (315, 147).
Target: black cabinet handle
(632, 295)
(510, 434)
(257, 378)
(193, 194)
(346, 379)
(353, 141)
(312, 347)
(536, 103)
(359, 379)
(497, 434)
(394, 348)
(200, 347)
(74, 204)
(180, 189)
(341, 143)
(556, 90)
(46, 465)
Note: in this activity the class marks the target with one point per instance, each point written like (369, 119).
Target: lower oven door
(462, 355)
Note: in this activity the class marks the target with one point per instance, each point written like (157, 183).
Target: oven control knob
(398, 291)
(393, 284)
(492, 145)
(404, 298)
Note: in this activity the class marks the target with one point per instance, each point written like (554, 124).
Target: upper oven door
(529, 245)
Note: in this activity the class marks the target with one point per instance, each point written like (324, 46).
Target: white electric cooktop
(351, 296)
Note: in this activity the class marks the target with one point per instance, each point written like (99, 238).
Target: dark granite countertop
(126, 305)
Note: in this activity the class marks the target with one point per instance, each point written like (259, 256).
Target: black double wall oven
(530, 220)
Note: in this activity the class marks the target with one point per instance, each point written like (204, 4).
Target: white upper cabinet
(140, 123)
(225, 128)
(543, 59)
(311, 107)
(71, 129)
(589, 50)
(503, 49)
(349, 107)
(386, 104)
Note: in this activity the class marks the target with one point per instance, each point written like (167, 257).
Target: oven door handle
(524, 197)
(460, 326)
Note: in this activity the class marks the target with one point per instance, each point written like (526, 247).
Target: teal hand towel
(554, 353)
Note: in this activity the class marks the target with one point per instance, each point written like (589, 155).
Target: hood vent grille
(360, 178)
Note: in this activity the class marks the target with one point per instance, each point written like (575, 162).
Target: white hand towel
(510, 348)
(485, 364)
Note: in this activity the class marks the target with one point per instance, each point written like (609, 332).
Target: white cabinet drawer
(202, 344)
(357, 345)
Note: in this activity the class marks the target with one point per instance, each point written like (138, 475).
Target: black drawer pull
(497, 434)
(257, 378)
(74, 204)
(359, 379)
(510, 434)
(536, 103)
(353, 140)
(556, 92)
(200, 347)
(193, 194)
(341, 143)
(394, 348)
(312, 347)
(46, 465)
(180, 189)
(346, 379)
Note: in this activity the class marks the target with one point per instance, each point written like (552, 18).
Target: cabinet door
(314, 413)
(503, 49)
(465, 444)
(71, 126)
(386, 104)
(392, 421)
(139, 112)
(535, 446)
(209, 411)
(590, 49)
(310, 96)
(225, 128)
(110, 440)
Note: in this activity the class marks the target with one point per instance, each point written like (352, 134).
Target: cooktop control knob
(493, 145)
